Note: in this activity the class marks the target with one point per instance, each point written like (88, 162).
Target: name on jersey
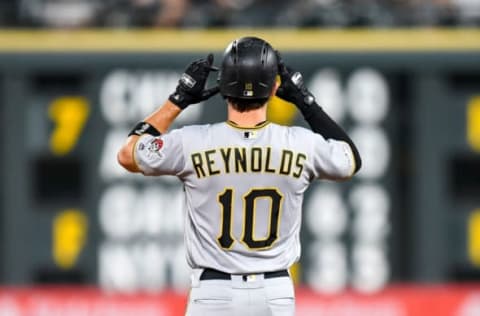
(246, 160)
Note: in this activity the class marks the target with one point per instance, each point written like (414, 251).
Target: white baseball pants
(251, 295)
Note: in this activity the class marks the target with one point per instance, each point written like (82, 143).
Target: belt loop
(195, 277)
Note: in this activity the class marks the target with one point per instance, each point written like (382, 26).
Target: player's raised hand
(191, 86)
(292, 87)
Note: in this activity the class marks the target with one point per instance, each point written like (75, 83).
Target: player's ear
(276, 85)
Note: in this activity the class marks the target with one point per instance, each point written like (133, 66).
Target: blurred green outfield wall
(410, 99)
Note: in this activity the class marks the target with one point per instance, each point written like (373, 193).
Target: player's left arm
(190, 90)
(293, 89)
(321, 123)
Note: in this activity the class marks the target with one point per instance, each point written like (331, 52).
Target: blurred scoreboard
(70, 214)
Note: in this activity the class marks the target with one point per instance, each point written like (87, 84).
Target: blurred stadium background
(78, 236)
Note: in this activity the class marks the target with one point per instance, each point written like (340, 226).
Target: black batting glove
(191, 86)
(292, 87)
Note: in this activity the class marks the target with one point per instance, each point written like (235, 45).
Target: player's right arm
(293, 89)
(158, 123)
(190, 90)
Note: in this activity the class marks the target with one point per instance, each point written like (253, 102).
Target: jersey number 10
(226, 198)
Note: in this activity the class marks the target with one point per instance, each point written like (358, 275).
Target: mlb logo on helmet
(248, 92)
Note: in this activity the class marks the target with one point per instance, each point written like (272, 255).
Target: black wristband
(144, 128)
(179, 99)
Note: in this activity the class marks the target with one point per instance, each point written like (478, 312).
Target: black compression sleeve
(322, 124)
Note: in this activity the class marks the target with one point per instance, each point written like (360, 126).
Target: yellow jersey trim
(260, 126)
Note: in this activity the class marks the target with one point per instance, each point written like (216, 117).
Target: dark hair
(245, 105)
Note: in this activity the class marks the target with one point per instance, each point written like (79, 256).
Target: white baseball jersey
(243, 188)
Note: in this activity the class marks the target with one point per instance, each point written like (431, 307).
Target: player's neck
(247, 119)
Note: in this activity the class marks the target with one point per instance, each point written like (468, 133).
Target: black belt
(211, 274)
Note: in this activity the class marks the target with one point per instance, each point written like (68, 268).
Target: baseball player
(244, 178)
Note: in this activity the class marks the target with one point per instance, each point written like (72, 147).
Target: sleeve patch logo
(156, 145)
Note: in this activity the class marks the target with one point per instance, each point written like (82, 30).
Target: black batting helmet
(248, 69)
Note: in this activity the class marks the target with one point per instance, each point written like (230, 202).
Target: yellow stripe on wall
(165, 40)
(295, 272)
(474, 237)
(473, 123)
